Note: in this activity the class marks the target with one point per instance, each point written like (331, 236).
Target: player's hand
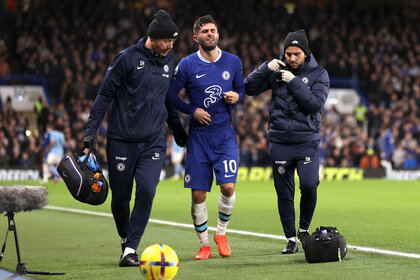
(275, 64)
(180, 136)
(286, 76)
(202, 116)
(231, 97)
(89, 142)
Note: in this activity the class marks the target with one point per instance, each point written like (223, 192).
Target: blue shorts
(207, 151)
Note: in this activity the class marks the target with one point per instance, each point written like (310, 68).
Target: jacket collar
(141, 45)
(309, 64)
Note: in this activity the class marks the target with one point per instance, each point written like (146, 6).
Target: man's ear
(195, 38)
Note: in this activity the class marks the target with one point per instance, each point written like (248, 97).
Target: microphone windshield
(19, 198)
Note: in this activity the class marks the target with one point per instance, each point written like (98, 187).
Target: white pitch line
(257, 234)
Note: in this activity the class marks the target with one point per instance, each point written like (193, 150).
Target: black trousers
(286, 159)
(143, 162)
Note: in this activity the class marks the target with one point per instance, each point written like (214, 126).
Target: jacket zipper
(289, 99)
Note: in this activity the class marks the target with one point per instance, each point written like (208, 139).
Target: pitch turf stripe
(263, 235)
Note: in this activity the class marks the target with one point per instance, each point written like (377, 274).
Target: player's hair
(201, 21)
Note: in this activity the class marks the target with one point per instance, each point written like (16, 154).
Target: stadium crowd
(72, 43)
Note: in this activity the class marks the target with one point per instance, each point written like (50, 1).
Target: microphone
(19, 198)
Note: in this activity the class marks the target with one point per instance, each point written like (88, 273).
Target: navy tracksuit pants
(286, 158)
(127, 161)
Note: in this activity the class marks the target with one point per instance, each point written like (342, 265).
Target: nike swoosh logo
(199, 76)
(306, 162)
(138, 67)
(227, 176)
(155, 158)
(64, 175)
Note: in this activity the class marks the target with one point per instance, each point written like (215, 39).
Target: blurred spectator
(177, 155)
(399, 156)
(246, 158)
(56, 151)
(418, 156)
(374, 120)
(25, 162)
(370, 160)
(360, 113)
(386, 143)
(410, 161)
(380, 52)
(4, 157)
(4, 66)
(41, 112)
(44, 150)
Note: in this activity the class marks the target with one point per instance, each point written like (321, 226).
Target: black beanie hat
(298, 39)
(162, 26)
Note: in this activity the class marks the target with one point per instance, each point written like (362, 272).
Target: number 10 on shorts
(230, 167)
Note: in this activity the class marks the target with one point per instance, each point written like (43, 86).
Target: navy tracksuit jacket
(136, 83)
(294, 132)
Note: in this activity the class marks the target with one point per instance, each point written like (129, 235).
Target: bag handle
(83, 164)
(328, 229)
(85, 160)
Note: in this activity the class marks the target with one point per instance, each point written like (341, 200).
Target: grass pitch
(372, 213)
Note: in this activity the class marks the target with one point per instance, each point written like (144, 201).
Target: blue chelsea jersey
(205, 83)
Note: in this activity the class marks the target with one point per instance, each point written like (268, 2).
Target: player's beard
(295, 65)
(206, 47)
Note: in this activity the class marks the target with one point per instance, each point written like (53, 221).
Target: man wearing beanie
(136, 83)
(299, 91)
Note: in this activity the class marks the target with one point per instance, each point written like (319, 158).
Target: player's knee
(227, 189)
(198, 196)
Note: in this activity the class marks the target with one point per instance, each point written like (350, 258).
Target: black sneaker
(291, 248)
(303, 236)
(129, 260)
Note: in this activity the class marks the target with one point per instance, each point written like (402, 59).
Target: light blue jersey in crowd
(59, 139)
